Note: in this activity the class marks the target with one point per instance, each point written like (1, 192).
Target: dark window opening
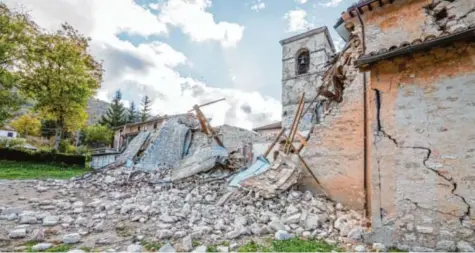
(441, 15)
(303, 62)
(9, 134)
(139, 128)
(155, 126)
(284, 113)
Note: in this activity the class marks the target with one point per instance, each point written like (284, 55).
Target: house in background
(125, 133)
(8, 132)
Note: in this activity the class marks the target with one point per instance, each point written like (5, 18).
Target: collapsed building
(386, 122)
(392, 116)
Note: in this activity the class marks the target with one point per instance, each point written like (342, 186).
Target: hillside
(95, 109)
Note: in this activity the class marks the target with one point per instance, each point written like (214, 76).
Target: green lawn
(26, 170)
(292, 245)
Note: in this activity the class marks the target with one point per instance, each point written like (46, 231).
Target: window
(303, 62)
(155, 125)
(10, 134)
(139, 128)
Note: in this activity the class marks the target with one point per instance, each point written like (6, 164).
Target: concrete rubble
(113, 214)
(184, 196)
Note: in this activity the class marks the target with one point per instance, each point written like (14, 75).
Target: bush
(66, 147)
(98, 136)
(10, 142)
(41, 157)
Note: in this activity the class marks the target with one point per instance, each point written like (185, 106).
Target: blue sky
(182, 52)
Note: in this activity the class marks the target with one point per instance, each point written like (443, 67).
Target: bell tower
(303, 60)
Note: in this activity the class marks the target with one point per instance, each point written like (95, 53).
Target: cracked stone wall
(422, 155)
(336, 148)
(292, 84)
(407, 21)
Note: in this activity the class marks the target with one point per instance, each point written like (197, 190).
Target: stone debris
(41, 246)
(167, 248)
(131, 206)
(17, 233)
(115, 206)
(71, 238)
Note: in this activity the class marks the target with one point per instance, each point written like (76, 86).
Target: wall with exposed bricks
(422, 118)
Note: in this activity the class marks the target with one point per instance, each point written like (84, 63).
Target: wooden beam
(206, 127)
(269, 149)
(295, 123)
(209, 103)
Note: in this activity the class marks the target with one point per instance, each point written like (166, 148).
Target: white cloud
(149, 68)
(195, 21)
(301, 1)
(257, 6)
(297, 20)
(331, 3)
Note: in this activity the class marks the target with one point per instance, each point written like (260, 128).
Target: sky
(186, 52)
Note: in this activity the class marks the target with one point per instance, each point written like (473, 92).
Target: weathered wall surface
(292, 84)
(235, 138)
(422, 118)
(405, 22)
(336, 148)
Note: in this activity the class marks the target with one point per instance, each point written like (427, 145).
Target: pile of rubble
(178, 184)
(118, 208)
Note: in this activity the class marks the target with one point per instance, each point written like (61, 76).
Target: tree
(97, 136)
(27, 125)
(132, 114)
(115, 115)
(61, 75)
(48, 128)
(16, 34)
(145, 113)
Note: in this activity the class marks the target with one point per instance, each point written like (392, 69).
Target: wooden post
(205, 126)
(209, 103)
(295, 124)
(269, 149)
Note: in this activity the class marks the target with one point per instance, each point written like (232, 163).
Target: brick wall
(423, 149)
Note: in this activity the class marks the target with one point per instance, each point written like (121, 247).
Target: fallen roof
(153, 119)
(417, 45)
(276, 125)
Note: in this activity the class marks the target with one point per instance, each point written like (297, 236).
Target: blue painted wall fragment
(259, 166)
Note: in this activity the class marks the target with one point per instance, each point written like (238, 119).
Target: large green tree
(132, 114)
(60, 75)
(116, 115)
(17, 32)
(145, 112)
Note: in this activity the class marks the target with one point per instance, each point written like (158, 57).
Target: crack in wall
(380, 132)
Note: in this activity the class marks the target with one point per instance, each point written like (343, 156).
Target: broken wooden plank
(209, 103)
(269, 149)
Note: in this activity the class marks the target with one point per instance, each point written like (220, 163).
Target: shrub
(98, 136)
(10, 142)
(41, 157)
(66, 147)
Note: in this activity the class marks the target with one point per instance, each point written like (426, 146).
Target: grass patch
(123, 231)
(55, 248)
(151, 246)
(195, 243)
(292, 245)
(212, 248)
(28, 170)
(395, 250)
(86, 249)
